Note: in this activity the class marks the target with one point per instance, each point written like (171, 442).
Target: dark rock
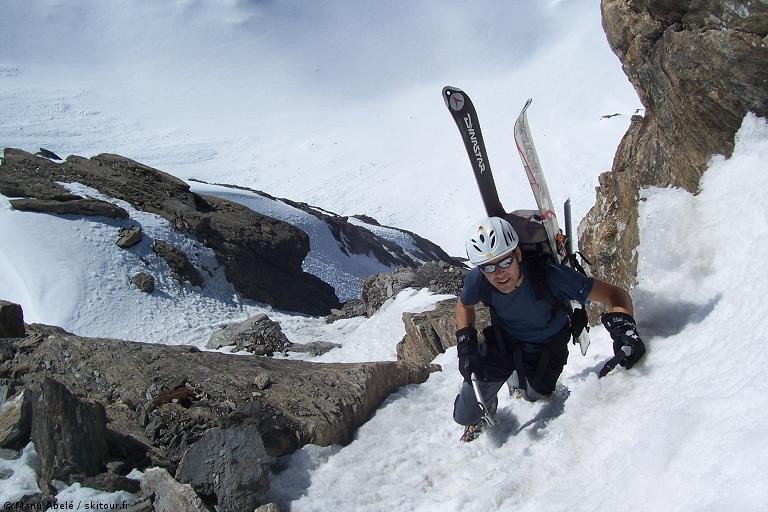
(70, 434)
(48, 154)
(144, 282)
(128, 237)
(355, 239)
(16, 422)
(181, 269)
(258, 335)
(261, 256)
(11, 320)
(85, 207)
(698, 67)
(230, 464)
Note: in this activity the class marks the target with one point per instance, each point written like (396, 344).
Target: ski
(530, 158)
(463, 112)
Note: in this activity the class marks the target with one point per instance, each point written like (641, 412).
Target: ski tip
(528, 103)
(454, 98)
(449, 92)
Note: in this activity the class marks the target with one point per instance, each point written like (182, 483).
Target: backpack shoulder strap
(537, 268)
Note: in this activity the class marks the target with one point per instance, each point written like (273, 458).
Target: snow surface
(338, 105)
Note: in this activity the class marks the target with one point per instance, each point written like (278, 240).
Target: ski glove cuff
(467, 348)
(623, 331)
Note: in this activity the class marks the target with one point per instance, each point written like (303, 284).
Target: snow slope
(338, 105)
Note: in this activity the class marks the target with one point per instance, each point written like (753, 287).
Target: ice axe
(480, 401)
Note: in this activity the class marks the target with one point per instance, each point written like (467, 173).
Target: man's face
(504, 279)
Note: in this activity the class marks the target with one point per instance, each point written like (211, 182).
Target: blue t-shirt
(520, 313)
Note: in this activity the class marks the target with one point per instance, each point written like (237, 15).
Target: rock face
(159, 399)
(438, 277)
(11, 320)
(70, 434)
(355, 239)
(698, 67)
(261, 256)
(430, 333)
(230, 464)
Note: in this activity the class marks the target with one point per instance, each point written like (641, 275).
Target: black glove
(623, 331)
(469, 355)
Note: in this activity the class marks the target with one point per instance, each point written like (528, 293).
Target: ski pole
(615, 360)
(481, 401)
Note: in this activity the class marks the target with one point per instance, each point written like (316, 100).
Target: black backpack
(537, 254)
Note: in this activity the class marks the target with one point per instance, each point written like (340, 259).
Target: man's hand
(469, 356)
(623, 331)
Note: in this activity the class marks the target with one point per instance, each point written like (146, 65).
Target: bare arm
(612, 296)
(465, 315)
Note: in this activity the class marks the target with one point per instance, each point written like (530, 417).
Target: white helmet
(489, 239)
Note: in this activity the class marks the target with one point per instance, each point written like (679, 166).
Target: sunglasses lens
(490, 269)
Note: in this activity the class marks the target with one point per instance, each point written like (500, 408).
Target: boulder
(258, 334)
(144, 282)
(11, 320)
(168, 495)
(16, 421)
(698, 67)
(128, 237)
(229, 464)
(70, 434)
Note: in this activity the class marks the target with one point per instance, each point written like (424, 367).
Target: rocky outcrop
(86, 207)
(438, 277)
(698, 67)
(356, 239)
(261, 256)
(101, 406)
(430, 333)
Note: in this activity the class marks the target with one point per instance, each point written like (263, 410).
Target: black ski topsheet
(463, 112)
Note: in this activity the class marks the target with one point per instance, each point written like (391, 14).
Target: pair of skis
(465, 116)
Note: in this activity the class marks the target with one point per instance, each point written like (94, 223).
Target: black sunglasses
(490, 269)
